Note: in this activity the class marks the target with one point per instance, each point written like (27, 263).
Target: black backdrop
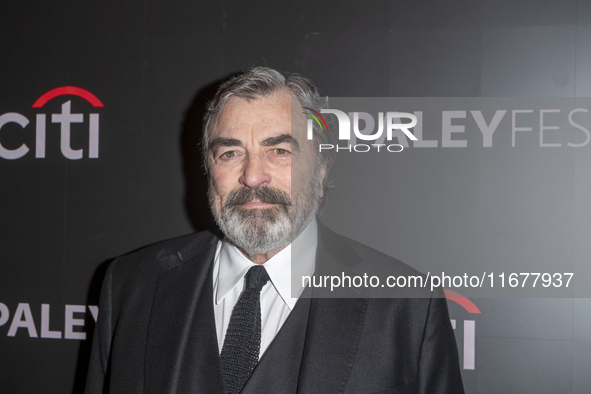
(154, 64)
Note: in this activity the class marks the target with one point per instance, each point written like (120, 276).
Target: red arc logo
(68, 90)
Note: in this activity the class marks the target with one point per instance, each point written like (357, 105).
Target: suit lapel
(332, 341)
(182, 336)
(334, 325)
(278, 370)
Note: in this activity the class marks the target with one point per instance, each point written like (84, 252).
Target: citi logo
(65, 119)
(469, 328)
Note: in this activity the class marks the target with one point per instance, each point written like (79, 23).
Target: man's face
(264, 184)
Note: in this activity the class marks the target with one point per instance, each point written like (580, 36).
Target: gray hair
(261, 82)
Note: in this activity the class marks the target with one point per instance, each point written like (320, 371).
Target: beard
(260, 230)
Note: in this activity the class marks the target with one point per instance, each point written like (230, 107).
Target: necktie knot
(256, 278)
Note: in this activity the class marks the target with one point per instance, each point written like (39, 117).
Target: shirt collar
(233, 265)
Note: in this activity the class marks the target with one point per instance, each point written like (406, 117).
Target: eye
(281, 152)
(228, 154)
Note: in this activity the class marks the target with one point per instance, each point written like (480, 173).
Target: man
(198, 314)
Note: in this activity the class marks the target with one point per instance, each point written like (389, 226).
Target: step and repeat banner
(100, 120)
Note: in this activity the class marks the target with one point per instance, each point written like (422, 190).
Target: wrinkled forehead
(278, 112)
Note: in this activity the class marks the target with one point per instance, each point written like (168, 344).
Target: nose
(255, 172)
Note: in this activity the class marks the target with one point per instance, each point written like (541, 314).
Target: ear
(321, 179)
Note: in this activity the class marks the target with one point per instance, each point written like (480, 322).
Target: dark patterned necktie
(240, 353)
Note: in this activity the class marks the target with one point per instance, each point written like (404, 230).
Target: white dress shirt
(230, 266)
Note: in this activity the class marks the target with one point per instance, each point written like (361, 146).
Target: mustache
(264, 194)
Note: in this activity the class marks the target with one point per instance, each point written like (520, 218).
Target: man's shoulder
(381, 272)
(152, 259)
(346, 248)
(374, 258)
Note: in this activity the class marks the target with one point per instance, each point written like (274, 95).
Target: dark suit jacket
(156, 331)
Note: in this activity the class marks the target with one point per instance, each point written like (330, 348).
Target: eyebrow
(220, 141)
(271, 141)
(280, 139)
